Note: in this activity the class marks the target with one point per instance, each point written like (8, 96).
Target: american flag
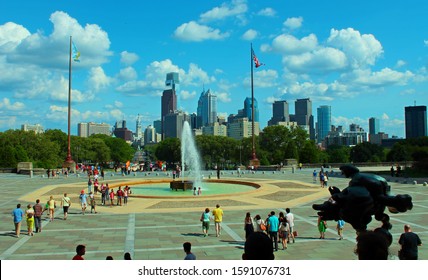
(256, 60)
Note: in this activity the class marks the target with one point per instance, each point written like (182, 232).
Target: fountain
(190, 162)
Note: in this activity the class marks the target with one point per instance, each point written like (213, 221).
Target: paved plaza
(155, 228)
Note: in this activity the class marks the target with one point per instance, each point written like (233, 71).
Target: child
(339, 227)
(93, 202)
(199, 191)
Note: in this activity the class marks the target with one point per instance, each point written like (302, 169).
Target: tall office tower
(280, 112)
(248, 109)
(374, 127)
(173, 124)
(121, 131)
(157, 125)
(207, 109)
(169, 98)
(193, 121)
(149, 135)
(416, 121)
(303, 115)
(323, 122)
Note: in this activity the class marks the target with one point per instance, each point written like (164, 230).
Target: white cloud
(234, 9)
(128, 58)
(6, 104)
(223, 97)
(187, 95)
(98, 79)
(250, 35)
(272, 99)
(385, 116)
(360, 49)
(308, 89)
(127, 74)
(195, 32)
(426, 42)
(381, 78)
(400, 63)
(263, 79)
(294, 22)
(319, 61)
(288, 44)
(11, 35)
(267, 12)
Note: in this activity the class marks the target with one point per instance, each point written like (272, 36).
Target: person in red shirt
(80, 251)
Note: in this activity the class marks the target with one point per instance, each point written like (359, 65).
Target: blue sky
(363, 58)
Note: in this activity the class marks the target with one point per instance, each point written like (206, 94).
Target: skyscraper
(169, 98)
(416, 121)
(248, 110)
(207, 109)
(374, 126)
(323, 122)
(173, 124)
(303, 115)
(280, 112)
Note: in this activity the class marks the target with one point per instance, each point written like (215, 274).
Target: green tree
(367, 152)
(169, 150)
(338, 154)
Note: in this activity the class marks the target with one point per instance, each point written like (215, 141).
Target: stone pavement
(155, 228)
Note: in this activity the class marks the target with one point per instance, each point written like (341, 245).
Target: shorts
(206, 225)
(65, 208)
(83, 204)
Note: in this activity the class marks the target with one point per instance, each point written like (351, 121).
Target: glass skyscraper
(323, 122)
(248, 109)
(207, 109)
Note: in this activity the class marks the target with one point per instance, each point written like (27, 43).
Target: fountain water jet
(190, 161)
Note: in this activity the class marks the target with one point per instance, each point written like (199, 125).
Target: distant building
(248, 109)
(169, 98)
(215, 129)
(138, 128)
(374, 127)
(120, 131)
(150, 135)
(378, 138)
(416, 121)
(207, 109)
(323, 122)
(91, 128)
(280, 113)
(242, 128)
(157, 125)
(173, 124)
(37, 128)
(349, 138)
(303, 115)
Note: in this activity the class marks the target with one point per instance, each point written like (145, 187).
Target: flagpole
(68, 159)
(254, 157)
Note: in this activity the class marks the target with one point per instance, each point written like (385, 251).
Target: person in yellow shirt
(218, 218)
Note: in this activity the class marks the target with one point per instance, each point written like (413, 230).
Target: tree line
(273, 146)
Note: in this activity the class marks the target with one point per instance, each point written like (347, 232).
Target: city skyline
(359, 59)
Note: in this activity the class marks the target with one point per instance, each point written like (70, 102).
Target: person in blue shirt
(17, 214)
(273, 225)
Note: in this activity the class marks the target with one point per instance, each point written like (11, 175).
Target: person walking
(38, 211)
(339, 227)
(205, 219)
(290, 220)
(51, 206)
(273, 226)
(83, 201)
(322, 226)
(65, 204)
(18, 215)
(218, 218)
(29, 213)
(248, 225)
(409, 242)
